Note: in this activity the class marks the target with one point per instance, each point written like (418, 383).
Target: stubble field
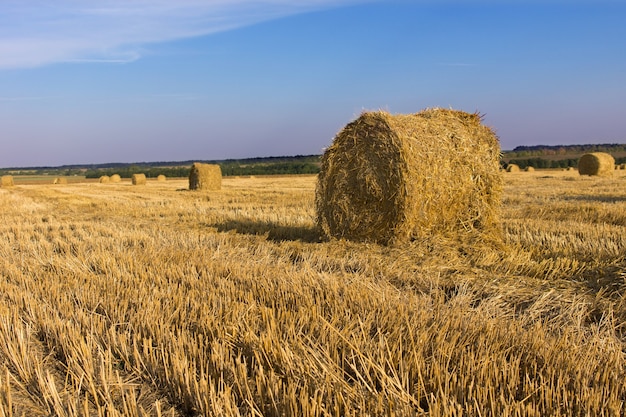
(154, 300)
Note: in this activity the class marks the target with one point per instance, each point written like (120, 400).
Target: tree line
(228, 169)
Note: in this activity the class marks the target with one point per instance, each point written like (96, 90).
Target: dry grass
(173, 303)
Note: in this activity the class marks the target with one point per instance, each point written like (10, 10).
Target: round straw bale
(571, 169)
(391, 178)
(529, 169)
(104, 179)
(138, 179)
(205, 177)
(115, 178)
(512, 168)
(7, 181)
(596, 163)
(622, 166)
(161, 178)
(60, 180)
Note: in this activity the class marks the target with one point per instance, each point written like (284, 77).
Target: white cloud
(38, 32)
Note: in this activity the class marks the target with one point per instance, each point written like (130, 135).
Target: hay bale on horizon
(596, 163)
(529, 169)
(105, 179)
(6, 181)
(138, 179)
(161, 178)
(205, 177)
(571, 169)
(512, 168)
(60, 180)
(115, 178)
(392, 178)
(622, 166)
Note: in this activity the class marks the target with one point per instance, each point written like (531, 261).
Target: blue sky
(138, 80)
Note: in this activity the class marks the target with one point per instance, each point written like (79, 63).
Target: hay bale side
(512, 168)
(161, 178)
(105, 179)
(529, 169)
(115, 178)
(205, 177)
(138, 179)
(391, 178)
(7, 181)
(596, 163)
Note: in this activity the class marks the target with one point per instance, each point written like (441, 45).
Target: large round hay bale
(105, 179)
(138, 179)
(115, 178)
(205, 177)
(512, 168)
(7, 181)
(161, 178)
(60, 180)
(596, 163)
(391, 178)
(529, 169)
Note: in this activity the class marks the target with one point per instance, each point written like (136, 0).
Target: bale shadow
(272, 231)
(596, 198)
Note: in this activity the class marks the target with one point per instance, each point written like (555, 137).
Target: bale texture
(7, 181)
(392, 178)
(115, 178)
(161, 178)
(205, 177)
(512, 168)
(596, 163)
(138, 179)
(105, 179)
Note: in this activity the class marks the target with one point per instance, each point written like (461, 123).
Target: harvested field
(229, 303)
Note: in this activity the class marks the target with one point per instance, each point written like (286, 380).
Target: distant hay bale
(205, 177)
(571, 169)
(105, 179)
(529, 169)
(139, 179)
(161, 178)
(7, 181)
(60, 180)
(622, 166)
(391, 178)
(512, 168)
(115, 178)
(596, 163)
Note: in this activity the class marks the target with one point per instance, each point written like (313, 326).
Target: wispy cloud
(40, 32)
